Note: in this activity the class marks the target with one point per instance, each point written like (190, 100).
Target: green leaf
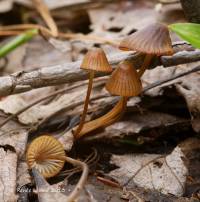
(190, 32)
(17, 41)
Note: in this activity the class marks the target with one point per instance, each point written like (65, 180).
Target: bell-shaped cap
(153, 39)
(44, 154)
(95, 59)
(124, 81)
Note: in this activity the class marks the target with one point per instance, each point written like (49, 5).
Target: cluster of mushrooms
(46, 153)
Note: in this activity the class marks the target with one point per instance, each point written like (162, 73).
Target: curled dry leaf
(188, 87)
(8, 166)
(137, 122)
(152, 171)
(12, 104)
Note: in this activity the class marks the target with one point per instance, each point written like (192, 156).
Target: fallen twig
(17, 29)
(149, 87)
(71, 72)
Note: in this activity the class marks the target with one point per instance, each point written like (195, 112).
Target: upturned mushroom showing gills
(47, 155)
(124, 82)
(94, 61)
(153, 40)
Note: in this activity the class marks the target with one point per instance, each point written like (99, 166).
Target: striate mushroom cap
(95, 59)
(124, 81)
(44, 154)
(153, 39)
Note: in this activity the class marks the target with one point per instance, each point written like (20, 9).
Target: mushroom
(153, 40)
(94, 60)
(124, 82)
(47, 155)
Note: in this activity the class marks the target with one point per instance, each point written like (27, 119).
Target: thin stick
(87, 99)
(14, 29)
(80, 185)
(46, 15)
(83, 37)
(145, 65)
(18, 27)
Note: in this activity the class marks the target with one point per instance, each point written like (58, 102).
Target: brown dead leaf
(135, 123)
(152, 171)
(188, 86)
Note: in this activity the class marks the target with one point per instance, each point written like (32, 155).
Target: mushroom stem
(105, 120)
(86, 103)
(145, 64)
(79, 187)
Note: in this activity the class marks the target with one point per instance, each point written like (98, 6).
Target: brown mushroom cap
(96, 60)
(42, 154)
(124, 81)
(153, 39)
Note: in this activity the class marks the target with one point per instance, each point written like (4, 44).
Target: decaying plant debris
(147, 151)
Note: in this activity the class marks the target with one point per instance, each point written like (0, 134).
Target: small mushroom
(47, 155)
(94, 61)
(124, 82)
(153, 40)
